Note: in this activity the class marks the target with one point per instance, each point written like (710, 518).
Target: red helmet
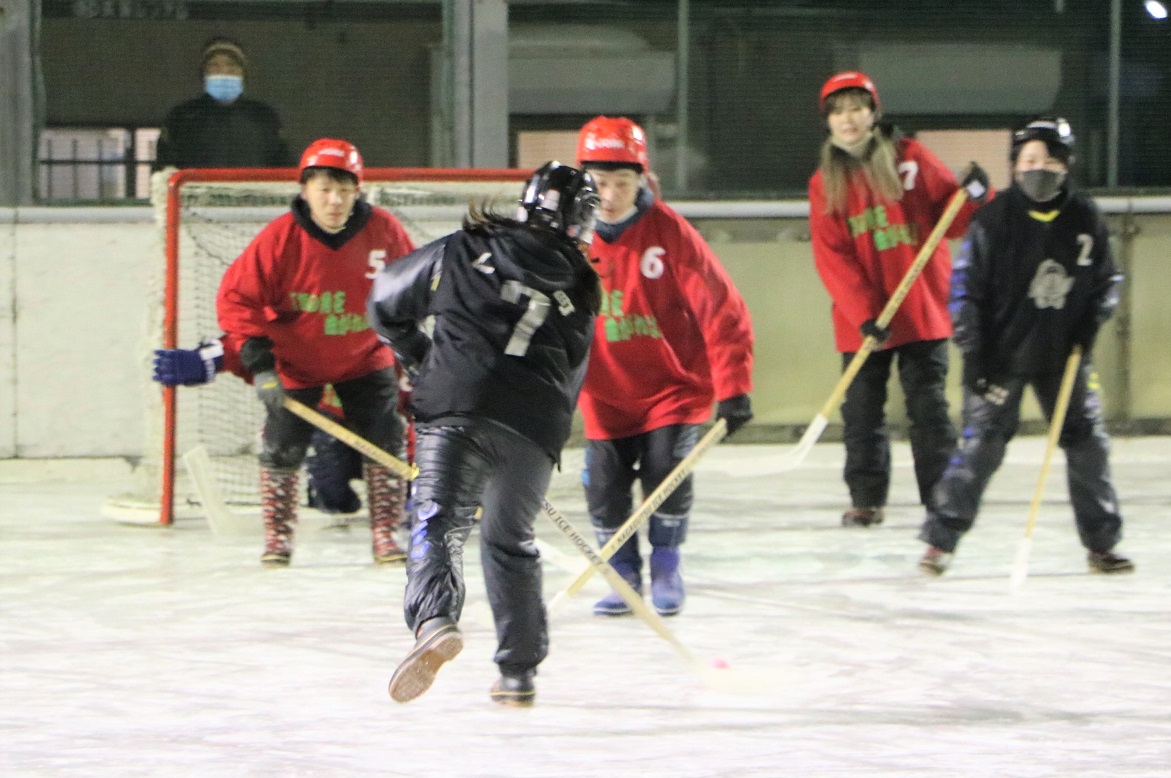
(851, 79)
(618, 139)
(330, 152)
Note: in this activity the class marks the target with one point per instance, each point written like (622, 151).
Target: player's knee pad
(287, 457)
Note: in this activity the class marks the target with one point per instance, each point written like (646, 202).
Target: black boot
(437, 641)
(515, 691)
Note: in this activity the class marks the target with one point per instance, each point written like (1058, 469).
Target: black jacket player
(495, 386)
(1034, 278)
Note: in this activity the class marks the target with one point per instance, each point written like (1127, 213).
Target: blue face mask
(224, 88)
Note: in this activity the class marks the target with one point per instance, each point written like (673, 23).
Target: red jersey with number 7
(863, 254)
(305, 289)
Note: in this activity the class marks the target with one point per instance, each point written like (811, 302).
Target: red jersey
(306, 291)
(863, 254)
(673, 334)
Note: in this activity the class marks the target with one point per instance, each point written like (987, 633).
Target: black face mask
(1040, 186)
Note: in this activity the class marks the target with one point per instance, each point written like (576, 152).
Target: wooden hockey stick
(351, 439)
(632, 598)
(1020, 566)
(664, 490)
(219, 517)
(813, 432)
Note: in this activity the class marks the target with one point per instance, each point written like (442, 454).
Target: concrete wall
(73, 307)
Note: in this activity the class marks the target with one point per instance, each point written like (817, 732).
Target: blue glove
(189, 367)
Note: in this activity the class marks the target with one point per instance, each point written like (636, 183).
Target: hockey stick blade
(220, 518)
(721, 679)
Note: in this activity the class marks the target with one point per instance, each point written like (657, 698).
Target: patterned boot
(278, 498)
(386, 494)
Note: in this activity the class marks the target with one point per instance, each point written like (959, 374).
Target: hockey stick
(1020, 566)
(708, 674)
(221, 519)
(813, 432)
(664, 490)
(351, 439)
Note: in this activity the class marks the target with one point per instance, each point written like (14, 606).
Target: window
(95, 163)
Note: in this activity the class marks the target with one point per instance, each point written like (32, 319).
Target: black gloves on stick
(870, 329)
(975, 183)
(735, 411)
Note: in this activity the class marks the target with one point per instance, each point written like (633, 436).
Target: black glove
(735, 411)
(977, 382)
(410, 352)
(870, 329)
(1084, 335)
(269, 389)
(975, 183)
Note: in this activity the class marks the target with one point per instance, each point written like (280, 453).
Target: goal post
(205, 218)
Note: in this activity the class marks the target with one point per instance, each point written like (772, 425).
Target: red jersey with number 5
(673, 336)
(305, 289)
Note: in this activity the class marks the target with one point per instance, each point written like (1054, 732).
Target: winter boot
(628, 564)
(1109, 563)
(935, 561)
(666, 582)
(385, 495)
(437, 641)
(862, 517)
(278, 498)
(515, 691)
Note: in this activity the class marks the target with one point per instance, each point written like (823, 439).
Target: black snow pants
(463, 468)
(923, 376)
(370, 404)
(612, 467)
(987, 430)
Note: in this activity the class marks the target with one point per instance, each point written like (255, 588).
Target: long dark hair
(485, 220)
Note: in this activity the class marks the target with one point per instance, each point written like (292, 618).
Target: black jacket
(1028, 282)
(514, 314)
(204, 132)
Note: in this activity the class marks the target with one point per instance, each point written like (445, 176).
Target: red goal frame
(171, 275)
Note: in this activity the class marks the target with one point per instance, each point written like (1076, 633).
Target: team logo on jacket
(1050, 285)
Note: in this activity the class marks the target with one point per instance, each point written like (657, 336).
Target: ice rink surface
(137, 651)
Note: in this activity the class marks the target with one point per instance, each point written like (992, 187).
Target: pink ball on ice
(719, 664)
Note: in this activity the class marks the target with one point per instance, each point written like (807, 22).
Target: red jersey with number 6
(863, 254)
(673, 336)
(305, 289)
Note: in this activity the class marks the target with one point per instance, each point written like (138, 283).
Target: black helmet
(563, 199)
(1053, 130)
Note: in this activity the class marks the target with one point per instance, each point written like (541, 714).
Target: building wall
(75, 303)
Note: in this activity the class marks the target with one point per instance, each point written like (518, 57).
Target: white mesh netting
(217, 220)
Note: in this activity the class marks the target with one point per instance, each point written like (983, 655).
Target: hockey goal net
(205, 220)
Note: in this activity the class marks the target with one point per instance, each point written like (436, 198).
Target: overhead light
(1156, 9)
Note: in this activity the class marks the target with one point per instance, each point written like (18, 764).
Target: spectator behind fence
(221, 127)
